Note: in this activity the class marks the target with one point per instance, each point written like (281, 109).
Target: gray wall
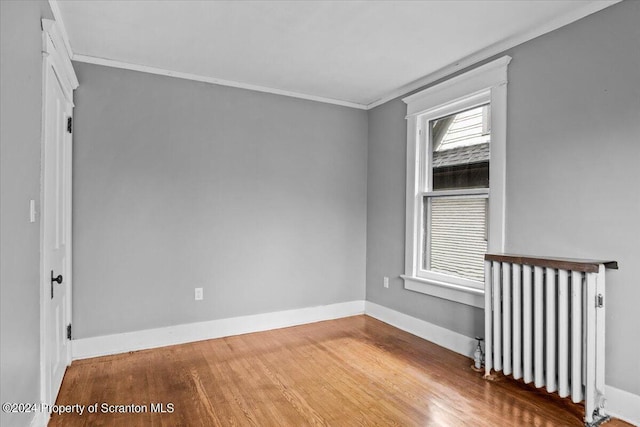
(573, 151)
(263, 200)
(386, 227)
(257, 198)
(20, 118)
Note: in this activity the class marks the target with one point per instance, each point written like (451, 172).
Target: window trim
(484, 84)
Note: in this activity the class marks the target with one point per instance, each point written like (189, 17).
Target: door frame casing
(56, 57)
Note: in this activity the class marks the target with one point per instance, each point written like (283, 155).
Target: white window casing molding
(489, 75)
(484, 84)
(445, 290)
(212, 80)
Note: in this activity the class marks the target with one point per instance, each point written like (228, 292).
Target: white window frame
(486, 84)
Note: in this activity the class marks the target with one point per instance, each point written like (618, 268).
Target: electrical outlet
(199, 294)
(385, 282)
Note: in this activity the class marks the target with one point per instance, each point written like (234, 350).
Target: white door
(56, 222)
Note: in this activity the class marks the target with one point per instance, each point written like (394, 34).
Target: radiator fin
(544, 326)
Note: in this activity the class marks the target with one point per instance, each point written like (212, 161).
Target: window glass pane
(460, 149)
(457, 232)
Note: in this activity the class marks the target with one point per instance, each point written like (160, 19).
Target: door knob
(58, 280)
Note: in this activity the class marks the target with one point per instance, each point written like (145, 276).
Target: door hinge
(69, 124)
(599, 301)
(69, 331)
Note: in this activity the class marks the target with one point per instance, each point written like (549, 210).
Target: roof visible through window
(462, 129)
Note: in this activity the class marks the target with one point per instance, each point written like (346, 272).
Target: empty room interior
(287, 213)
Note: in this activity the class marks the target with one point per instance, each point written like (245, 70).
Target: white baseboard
(179, 334)
(41, 419)
(436, 334)
(620, 404)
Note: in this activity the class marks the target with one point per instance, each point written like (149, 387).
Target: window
(456, 152)
(454, 230)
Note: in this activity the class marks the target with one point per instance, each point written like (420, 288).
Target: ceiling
(355, 53)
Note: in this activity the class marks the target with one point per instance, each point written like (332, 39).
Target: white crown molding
(59, 54)
(230, 83)
(576, 14)
(57, 16)
(179, 334)
(496, 48)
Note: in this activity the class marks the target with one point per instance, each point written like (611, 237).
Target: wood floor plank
(355, 371)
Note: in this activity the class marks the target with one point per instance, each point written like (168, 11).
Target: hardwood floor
(345, 372)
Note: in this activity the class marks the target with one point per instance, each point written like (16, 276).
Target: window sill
(462, 294)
